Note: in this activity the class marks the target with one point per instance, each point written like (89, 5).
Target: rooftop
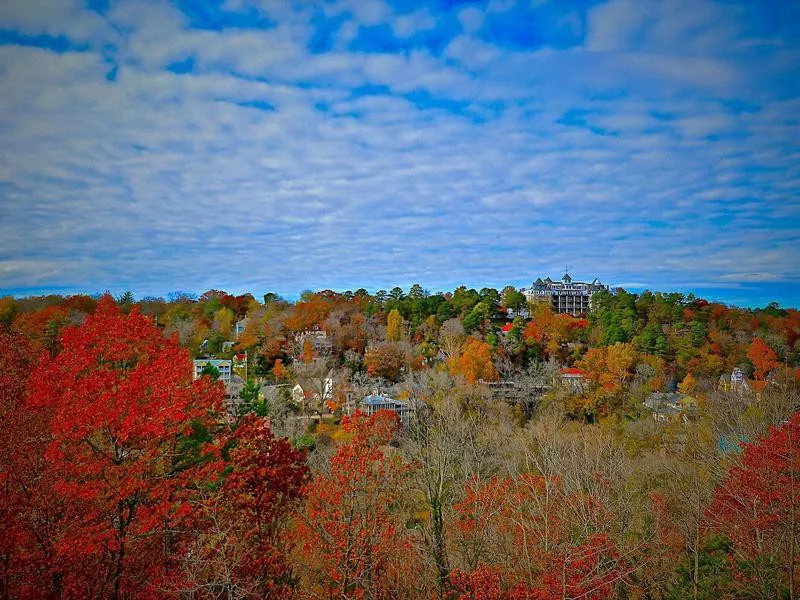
(373, 400)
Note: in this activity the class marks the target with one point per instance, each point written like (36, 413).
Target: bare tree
(185, 327)
(450, 445)
(451, 337)
(316, 377)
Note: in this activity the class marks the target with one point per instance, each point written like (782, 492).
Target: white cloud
(471, 18)
(68, 18)
(407, 25)
(631, 152)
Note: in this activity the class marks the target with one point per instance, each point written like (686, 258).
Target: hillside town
(481, 442)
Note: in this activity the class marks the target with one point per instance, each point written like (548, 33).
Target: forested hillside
(649, 449)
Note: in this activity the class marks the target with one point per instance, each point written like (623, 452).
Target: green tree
(125, 301)
(210, 370)
(513, 299)
(475, 319)
(252, 401)
(713, 572)
(271, 297)
(416, 291)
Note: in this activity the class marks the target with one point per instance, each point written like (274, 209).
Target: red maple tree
(351, 543)
(758, 507)
(29, 509)
(122, 408)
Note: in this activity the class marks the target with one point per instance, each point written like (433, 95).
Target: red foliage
(80, 303)
(350, 542)
(573, 324)
(535, 516)
(238, 304)
(28, 510)
(121, 402)
(263, 488)
(483, 583)
(756, 505)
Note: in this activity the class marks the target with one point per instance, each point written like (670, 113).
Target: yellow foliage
(394, 326)
(609, 367)
(688, 385)
(223, 321)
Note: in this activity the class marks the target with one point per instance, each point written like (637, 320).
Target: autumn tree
(387, 360)
(475, 362)
(681, 510)
(549, 330)
(309, 312)
(762, 356)
(547, 530)
(307, 353)
(8, 310)
(241, 543)
(451, 440)
(223, 322)
(758, 507)
(42, 327)
(29, 508)
(451, 337)
(608, 369)
(394, 326)
(351, 543)
(688, 386)
(123, 407)
(278, 370)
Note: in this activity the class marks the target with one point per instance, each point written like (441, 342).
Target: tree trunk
(439, 552)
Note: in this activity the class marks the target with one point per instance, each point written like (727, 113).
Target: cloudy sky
(256, 145)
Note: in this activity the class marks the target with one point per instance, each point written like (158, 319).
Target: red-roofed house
(574, 379)
(507, 327)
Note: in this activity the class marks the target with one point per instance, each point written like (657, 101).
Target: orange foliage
(762, 356)
(551, 329)
(41, 327)
(533, 332)
(307, 355)
(475, 362)
(609, 367)
(255, 331)
(278, 370)
(309, 313)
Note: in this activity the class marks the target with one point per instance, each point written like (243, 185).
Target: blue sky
(256, 145)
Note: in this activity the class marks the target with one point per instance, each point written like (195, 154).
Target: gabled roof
(566, 278)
